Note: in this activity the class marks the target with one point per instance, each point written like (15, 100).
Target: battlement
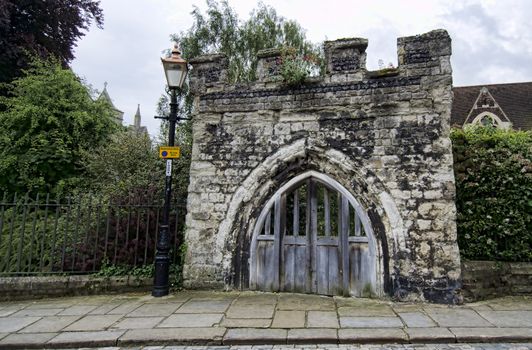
(420, 55)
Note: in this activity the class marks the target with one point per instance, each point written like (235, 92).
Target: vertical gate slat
(313, 204)
(344, 236)
(327, 212)
(277, 242)
(357, 224)
(267, 224)
(296, 213)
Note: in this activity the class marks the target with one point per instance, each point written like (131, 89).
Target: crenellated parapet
(426, 54)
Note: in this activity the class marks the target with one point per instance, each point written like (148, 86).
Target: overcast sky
(492, 40)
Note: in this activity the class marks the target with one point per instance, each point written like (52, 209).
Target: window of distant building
(488, 118)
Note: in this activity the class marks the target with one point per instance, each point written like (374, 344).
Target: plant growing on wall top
(295, 68)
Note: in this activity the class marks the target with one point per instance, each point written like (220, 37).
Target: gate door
(313, 238)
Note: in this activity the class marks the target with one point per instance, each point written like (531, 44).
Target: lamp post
(175, 69)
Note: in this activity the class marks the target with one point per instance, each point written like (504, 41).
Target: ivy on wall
(493, 170)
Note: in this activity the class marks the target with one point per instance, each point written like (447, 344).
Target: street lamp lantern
(175, 69)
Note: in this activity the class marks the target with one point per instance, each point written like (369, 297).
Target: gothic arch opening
(313, 236)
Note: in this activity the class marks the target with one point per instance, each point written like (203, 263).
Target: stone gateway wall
(383, 136)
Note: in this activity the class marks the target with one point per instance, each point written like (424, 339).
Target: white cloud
(492, 40)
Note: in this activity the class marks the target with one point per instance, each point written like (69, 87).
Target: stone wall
(491, 279)
(382, 135)
(36, 287)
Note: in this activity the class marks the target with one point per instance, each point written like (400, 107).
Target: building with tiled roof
(501, 105)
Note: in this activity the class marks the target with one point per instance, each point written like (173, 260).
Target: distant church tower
(136, 123)
(118, 115)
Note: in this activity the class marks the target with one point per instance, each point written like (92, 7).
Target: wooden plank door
(312, 241)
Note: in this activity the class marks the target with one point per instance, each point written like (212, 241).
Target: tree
(220, 31)
(125, 163)
(42, 28)
(46, 122)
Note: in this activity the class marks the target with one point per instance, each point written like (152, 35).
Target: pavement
(238, 320)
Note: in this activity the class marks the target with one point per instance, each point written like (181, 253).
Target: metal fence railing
(44, 234)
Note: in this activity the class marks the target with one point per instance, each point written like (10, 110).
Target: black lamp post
(175, 69)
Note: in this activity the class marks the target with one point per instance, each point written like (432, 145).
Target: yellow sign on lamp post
(167, 152)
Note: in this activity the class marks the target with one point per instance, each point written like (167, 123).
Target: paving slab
(247, 311)
(50, 324)
(124, 308)
(312, 336)
(256, 299)
(416, 319)
(289, 319)
(8, 311)
(383, 310)
(93, 323)
(14, 324)
(430, 335)
(468, 335)
(171, 298)
(406, 307)
(85, 339)
(25, 341)
(243, 336)
(205, 306)
(508, 318)
(37, 312)
(105, 308)
(304, 302)
(191, 320)
(174, 336)
(511, 303)
(246, 322)
(322, 319)
(3, 335)
(372, 335)
(154, 310)
(369, 322)
(77, 310)
(52, 304)
(138, 323)
(455, 317)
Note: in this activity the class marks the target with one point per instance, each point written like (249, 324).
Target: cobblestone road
(497, 346)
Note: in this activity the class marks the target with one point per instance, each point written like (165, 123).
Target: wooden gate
(313, 237)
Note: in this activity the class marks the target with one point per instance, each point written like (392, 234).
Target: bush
(493, 170)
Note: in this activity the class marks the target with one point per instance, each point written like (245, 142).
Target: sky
(492, 40)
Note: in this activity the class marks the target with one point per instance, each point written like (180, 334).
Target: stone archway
(383, 136)
(313, 236)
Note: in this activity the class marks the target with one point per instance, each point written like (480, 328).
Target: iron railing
(47, 234)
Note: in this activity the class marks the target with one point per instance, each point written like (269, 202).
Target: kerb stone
(244, 336)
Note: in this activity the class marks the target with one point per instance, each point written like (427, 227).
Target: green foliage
(47, 121)
(128, 161)
(43, 28)
(220, 31)
(296, 68)
(493, 170)
(110, 270)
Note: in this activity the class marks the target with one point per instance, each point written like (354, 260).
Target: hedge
(493, 170)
